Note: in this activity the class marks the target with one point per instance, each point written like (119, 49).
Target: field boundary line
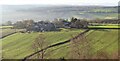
(57, 44)
(7, 35)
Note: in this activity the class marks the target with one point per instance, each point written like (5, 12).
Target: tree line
(62, 23)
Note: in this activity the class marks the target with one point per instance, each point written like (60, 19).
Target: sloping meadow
(19, 45)
(95, 44)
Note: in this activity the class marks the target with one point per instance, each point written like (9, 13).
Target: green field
(8, 31)
(1, 27)
(104, 26)
(96, 25)
(19, 45)
(103, 43)
(97, 44)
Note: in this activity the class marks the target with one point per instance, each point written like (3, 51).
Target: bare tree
(79, 48)
(38, 44)
(23, 24)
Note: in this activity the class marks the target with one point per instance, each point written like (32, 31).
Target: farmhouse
(42, 26)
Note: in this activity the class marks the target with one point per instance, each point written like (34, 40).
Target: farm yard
(94, 44)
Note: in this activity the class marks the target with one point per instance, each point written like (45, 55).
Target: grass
(7, 31)
(98, 43)
(103, 38)
(19, 45)
(1, 27)
(106, 42)
(104, 26)
(96, 25)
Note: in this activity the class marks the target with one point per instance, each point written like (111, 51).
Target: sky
(61, 2)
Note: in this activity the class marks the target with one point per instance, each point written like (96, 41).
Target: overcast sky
(61, 2)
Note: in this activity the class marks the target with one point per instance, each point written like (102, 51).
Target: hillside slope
(96, 44)
(20, 45)
(102, 44)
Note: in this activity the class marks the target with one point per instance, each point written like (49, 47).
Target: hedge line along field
(8, 31)
(96, 44)
(19, 45)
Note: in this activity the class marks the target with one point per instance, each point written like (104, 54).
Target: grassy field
(101, 44)
(1, 27)
(8, 31)
(94, 44)
(96, 25)
(104, 26)
(19, 45)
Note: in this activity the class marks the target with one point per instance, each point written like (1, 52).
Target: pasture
(4, 27)
(96, 25)
(8, 31)
(19, 45)
(104, 27)
(96, 44)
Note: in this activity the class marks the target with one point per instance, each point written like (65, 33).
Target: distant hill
(37, 12)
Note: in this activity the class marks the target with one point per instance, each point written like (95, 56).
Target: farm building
(42, 26)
